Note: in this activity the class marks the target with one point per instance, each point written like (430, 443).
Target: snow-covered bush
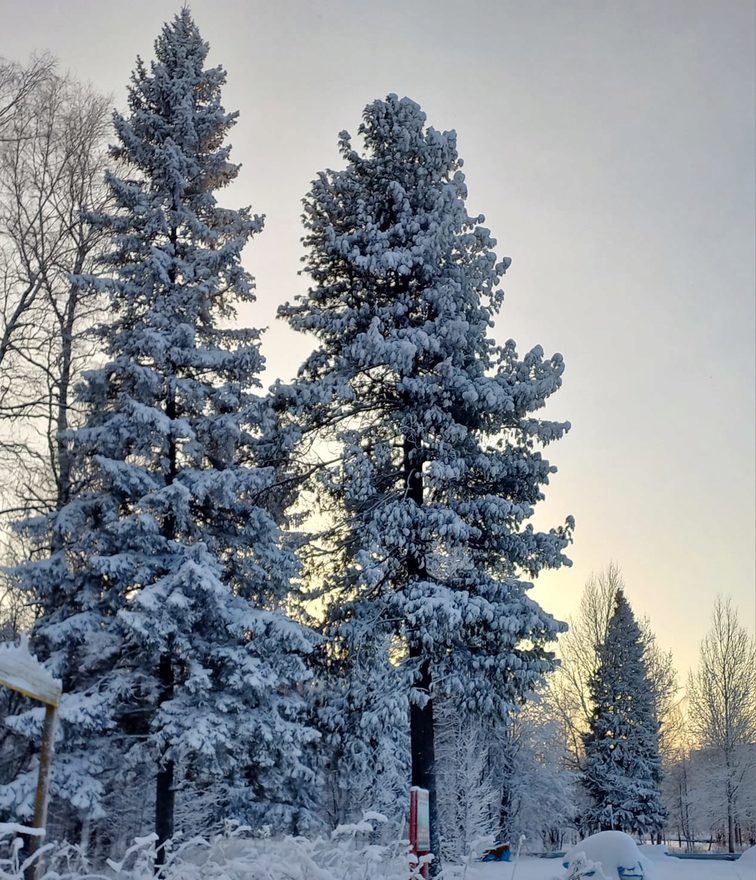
(346, 854)
(581, 866)
(469, 792)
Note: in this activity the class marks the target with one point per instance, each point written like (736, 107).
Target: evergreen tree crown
(441, 462)
(622, 764)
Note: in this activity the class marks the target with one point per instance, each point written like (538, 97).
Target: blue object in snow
(498, 854)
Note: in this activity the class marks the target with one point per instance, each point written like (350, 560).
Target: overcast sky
(611, 147)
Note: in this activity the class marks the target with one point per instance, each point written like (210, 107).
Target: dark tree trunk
(62, 453)
(422, 747)
(505, 813)
(422, 741)
(730, 794)
(165, 794)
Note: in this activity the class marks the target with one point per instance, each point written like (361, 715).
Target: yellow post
(22, 672)
(43, 784)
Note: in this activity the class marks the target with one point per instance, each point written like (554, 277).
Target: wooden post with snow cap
(22, 672)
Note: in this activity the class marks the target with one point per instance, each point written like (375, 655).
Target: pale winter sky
(611, 147)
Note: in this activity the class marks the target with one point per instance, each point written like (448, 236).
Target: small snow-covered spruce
(439, 463)
(163, 606)
(622, 769)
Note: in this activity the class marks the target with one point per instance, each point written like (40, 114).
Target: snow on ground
(240, 858)
(669, 868)
(605, 852)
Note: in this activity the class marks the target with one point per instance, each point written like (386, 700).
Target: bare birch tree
(17, 83)
(722, 705)
(52, 163)
(52, 158)
(569, 690)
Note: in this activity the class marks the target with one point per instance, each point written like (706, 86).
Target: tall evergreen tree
(163, 601)
(622, 769)
(439, 461)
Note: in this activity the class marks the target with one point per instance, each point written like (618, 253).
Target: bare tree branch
(52, 162)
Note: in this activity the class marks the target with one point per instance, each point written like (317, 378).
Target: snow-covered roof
(21, 671)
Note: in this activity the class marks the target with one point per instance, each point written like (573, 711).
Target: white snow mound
(614, 853)
(21, 671)
(748, 857)
(655, 852)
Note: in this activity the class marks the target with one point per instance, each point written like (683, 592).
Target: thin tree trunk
(422, 734)
(422, 746)
(730, 795)
(505, 809)
(165, 795)
(61, 457)
(63, 453)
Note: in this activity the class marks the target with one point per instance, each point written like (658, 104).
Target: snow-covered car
(608, 855)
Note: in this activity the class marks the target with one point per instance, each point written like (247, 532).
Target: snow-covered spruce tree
(622, 769)
(439, 463)
(163, 601)
(579, 653)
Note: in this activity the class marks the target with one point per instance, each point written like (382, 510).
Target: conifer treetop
(623, 768)
(441, 461)
(172, 149)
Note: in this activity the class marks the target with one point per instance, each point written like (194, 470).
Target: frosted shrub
(344, 855)
(584, 867)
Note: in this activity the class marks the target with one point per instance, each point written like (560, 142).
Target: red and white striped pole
(419, 825)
